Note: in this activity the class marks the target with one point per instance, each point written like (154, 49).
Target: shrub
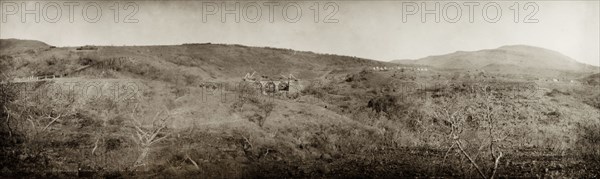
(8, 93)
(265, 107)
(117, 121)
(6, 63)
(85, 61)
(179, 91)
(191, 79)
(316, 89)
(52, 66)
(113, 144)
(589, 142)
(594, 101)
(386, 103)
(87, 47)
(258, 119)
(556, 92)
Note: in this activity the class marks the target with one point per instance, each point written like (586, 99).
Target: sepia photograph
(299, 89)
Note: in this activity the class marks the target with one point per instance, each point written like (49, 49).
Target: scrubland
(158, 118)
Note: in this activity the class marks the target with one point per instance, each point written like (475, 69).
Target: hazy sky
(374, 30)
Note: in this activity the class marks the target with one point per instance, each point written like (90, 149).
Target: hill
(514, 59)
(174, 63)
(592, 79)
(10, 46)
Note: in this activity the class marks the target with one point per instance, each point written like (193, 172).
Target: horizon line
(282, 48)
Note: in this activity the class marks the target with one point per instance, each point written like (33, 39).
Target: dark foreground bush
(589, 142)
(594, 101)
(386, 103)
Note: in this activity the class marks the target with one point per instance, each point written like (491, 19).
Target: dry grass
(348, 123)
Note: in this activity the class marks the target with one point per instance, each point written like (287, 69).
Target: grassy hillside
(175, 63)
(11, 46)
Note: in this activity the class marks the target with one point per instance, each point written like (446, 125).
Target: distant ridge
(507, 59)
(8, 46)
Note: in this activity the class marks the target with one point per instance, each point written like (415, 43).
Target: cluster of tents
(399, 68)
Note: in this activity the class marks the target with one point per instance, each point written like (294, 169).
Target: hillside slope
(10, 46)
(592, 79)
(513, 59)
(198, 61)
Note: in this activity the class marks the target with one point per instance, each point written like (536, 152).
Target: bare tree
(486, 110)
(146, 136)
(41, 110)
(455, 119)
(455, 115)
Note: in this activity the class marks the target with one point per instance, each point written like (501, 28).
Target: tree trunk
(141, 159)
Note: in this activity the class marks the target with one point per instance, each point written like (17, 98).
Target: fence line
(31, 79)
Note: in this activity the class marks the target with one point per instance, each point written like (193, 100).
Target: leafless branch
(147, 136)
(193, 162)
(471, 160)
(54, 119)
(496, 165)
(8, 121)
(447, 152)
(95, 146)
(483, 111)
(247, 141)
(32, 123)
